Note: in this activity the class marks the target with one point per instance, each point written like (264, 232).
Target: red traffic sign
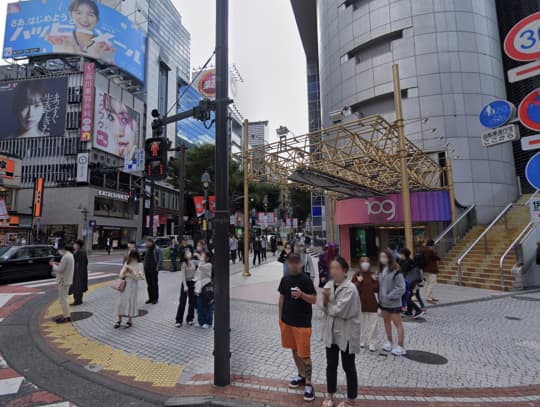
(529, 110)
(522, 43)
(530, 142)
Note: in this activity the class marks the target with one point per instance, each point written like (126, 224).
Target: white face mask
(365, 266)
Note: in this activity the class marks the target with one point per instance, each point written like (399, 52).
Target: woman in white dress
(132, 271)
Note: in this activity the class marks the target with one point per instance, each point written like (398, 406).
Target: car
(26, 261)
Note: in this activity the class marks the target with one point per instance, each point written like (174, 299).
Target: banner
(199, 205)
(39, 189)
(116, 129)
(33, 108)
(87, 102)
(74, 27)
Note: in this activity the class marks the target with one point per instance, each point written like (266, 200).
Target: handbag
(119, 285)
(208, 293)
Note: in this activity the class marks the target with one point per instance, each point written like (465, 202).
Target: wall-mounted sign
(500, 135)
(39, 189)
(524, 72)
(82, 167)
(118, 196)
(497, 113)
(87, 102)
(532, 171)
(522, 43)
(534, 208)
(207, 83)
(10, 171)
(529, 110)
(530, 142)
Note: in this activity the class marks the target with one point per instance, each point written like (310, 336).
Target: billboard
(10, 171)
(116, 127)
(75, 27)
(33, 108)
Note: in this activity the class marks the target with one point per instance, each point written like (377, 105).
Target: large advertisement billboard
(33, 108)
(78, 27)
(116, 127)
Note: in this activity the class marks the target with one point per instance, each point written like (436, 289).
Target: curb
(208, 402)
(488, 298)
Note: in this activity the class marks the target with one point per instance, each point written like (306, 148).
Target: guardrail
(526, 231)
(458, 228)
(483, 235)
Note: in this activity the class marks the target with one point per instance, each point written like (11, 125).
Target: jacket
(158, 258)
(342, 323)
(133, 270)
(431, 260)
(367, 288)
(203, 276)
(80, 273)
(187, 272)
(64, 271)
(391, 288)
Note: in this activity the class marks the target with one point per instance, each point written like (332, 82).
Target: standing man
(108, 246)
(431, 269)
(152, 264)
(273, 245)
(241, 248)
(264, 244)
(64, 278)
(80, 275)
(297, 295)
(257, 247)
(233, 247)
(174, 253)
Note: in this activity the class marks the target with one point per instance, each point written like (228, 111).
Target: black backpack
(420, 260)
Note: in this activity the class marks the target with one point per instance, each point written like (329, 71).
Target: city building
(449, 56)
(258, 133)
(94, 117)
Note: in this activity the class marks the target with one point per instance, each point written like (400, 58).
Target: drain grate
(513, 318)
(426, 357)
(80, 315)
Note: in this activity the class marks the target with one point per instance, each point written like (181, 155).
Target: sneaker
(362, 345)
(419, 314)
(387, 347)
(297, 382)
(328, 403)
(178, 325)
(372, 348)
(399, 351)
(205, 326)
(191, 323)
(309, 393)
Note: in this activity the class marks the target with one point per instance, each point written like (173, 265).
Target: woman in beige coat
(341, 331)
(128, 304)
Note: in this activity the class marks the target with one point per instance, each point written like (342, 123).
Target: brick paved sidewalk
(492, 349)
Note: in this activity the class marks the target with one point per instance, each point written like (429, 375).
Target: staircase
(481, 270)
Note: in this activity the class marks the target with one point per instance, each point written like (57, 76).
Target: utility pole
(152, 207)
(245, 164)
(181, 189)
(222, 357)
(405, 193)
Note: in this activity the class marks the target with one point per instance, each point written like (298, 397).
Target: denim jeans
(205, 312)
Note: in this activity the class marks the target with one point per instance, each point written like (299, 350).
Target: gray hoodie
(391, 288)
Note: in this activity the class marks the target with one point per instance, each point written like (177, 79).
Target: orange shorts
(297, 339)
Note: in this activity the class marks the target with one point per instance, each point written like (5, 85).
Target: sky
(265, 46)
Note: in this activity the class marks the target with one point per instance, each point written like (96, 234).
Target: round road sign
(497, 113)
(532, 171)
(522, 42)
(529, 110)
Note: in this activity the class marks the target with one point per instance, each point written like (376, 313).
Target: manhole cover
(426, 357)
(79, 316)
(513, 318)
(142, 312)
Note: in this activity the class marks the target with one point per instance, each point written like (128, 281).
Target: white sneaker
(399, 351)
(372, 348)
(387, 347)
(205, 326)
(362, 345)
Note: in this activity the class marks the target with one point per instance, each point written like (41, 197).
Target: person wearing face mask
(391, 289)
(203, 284)
(367, 285)
(187, 289)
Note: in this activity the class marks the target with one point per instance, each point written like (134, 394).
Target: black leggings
(347, 361)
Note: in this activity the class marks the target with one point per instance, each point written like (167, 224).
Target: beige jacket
(64, 270)
(342, 323)
(133, 270)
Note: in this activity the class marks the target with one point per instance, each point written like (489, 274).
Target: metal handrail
(514, 243)
(532, 196)
(482, 236)
(454, 224)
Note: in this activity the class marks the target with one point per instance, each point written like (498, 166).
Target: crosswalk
(92, 275)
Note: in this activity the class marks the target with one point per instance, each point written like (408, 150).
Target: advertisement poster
(74, 27)
(116, 127)
(33, 108)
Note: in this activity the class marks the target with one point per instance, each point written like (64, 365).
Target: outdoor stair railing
(457, 230)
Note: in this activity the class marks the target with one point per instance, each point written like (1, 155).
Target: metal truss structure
(359, 158)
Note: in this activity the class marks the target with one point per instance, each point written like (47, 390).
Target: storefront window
(111, 208)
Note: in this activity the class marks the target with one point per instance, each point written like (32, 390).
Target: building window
(112, 209)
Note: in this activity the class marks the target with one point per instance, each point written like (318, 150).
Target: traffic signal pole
(222, 357)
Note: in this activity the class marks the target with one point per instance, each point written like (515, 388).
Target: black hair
(133, 255)
(132, 242)
(406, 252)
(209, 256)
(430, 243)
(342, 263)
(80, 242)
(90, 3)
(26, 93)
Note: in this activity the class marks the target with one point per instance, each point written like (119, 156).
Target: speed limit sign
(522, 43)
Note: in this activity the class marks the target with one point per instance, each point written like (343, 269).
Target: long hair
(133, 255)
(392, 264)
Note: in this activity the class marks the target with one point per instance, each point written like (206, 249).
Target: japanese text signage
(74, 27)
(39, 188)
(87, 102)
(500, 135)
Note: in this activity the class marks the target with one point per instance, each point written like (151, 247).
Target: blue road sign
(532, 171)
(497, 113)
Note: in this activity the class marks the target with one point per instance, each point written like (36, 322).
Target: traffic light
(156, 161)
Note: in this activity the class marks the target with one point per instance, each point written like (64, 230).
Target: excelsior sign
(522, 42)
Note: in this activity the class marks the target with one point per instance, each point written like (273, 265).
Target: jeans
(185, 297)
(205, 312)
(347, 361)
(173, 259)
(264, 253)
(256, 254)
(233, 256)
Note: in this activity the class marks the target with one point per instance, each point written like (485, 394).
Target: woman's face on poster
(84, 17)
(121, 128)
(30, 115)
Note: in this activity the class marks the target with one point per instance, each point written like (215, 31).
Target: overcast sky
(265, 46)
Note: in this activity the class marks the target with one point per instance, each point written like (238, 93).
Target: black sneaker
(309, 393)
(297, 382)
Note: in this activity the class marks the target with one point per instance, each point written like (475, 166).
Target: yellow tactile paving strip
(140, 369)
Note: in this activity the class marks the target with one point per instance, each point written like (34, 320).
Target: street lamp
(265, 204)
(205, 181)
